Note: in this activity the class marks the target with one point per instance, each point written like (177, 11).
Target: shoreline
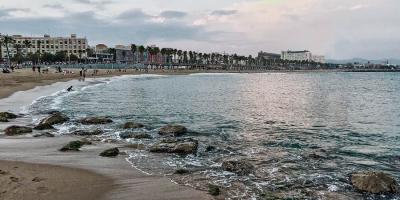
(26, 157)
(11, 83)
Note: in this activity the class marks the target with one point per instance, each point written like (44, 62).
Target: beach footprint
(14, 179)
(42, 190)
(38, 179)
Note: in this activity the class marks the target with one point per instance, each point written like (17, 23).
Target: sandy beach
(33, 168)
(25, 79)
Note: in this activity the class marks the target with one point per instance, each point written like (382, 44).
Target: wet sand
(25, 181)
(78, 175)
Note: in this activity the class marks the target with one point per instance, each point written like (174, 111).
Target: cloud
(173, 14)
(223, 12)
(54, 6)
(134, 14)
(97, 30)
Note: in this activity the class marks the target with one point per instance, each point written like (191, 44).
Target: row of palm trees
(155, 55)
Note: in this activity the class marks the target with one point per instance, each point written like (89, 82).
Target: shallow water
(278, 121)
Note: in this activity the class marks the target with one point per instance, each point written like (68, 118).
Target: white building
(301, 56)
(47, 44)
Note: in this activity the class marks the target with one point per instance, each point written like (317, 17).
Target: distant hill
(364, 61)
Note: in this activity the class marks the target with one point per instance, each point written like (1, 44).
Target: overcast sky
(338, 29)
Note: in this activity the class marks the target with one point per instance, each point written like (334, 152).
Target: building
(302, 56)
(268, 56)
(123, 54)
(101, 53)
(318, 59)
(47, 44)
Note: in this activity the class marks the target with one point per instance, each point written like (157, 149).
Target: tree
(73, 57)
(8, 40)
(133, 49)
(27, 45)
(141, 51)
(60, 56)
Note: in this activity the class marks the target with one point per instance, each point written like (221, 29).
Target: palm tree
(39, 43)
(7, 40)
(80, 54)
(133, 49)
(141, 51)
(18, 56)
(27, 45)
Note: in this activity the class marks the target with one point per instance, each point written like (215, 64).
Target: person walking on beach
(38, 69)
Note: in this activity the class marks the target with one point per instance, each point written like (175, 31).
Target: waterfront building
(46, 44)
(301, 56)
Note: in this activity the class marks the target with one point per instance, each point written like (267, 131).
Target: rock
(181, 171)
(374, 182)
(135, 146)
(175, 130)
(87, 133)
(8, 115)
(210, 148)
(241, 167)
(213, 190)
(318, 155)
(3, 119)
(172, 145)
(46, 134)
(17, 130)
(95, 120)
(110, 152)
(72, 146)
(85, 141)
(48, 122)
(135, 135)
(132, 125)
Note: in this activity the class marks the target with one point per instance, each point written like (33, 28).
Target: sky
(338, 29)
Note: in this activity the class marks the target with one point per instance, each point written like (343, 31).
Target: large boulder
(87, 133)
(135, 135)
(132, 125)
(110, 152)
(17, 130)
(175, 130)
(374, 182)
(54, 118)
(239, 166)
(8, 115)
(173, 145)
(95, 120)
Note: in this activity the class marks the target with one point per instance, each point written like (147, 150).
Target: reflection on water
(303, 132)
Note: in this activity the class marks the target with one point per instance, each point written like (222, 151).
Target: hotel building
(47, 44)
(301, 56)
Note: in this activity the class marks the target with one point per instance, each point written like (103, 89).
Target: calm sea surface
(302, 131)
